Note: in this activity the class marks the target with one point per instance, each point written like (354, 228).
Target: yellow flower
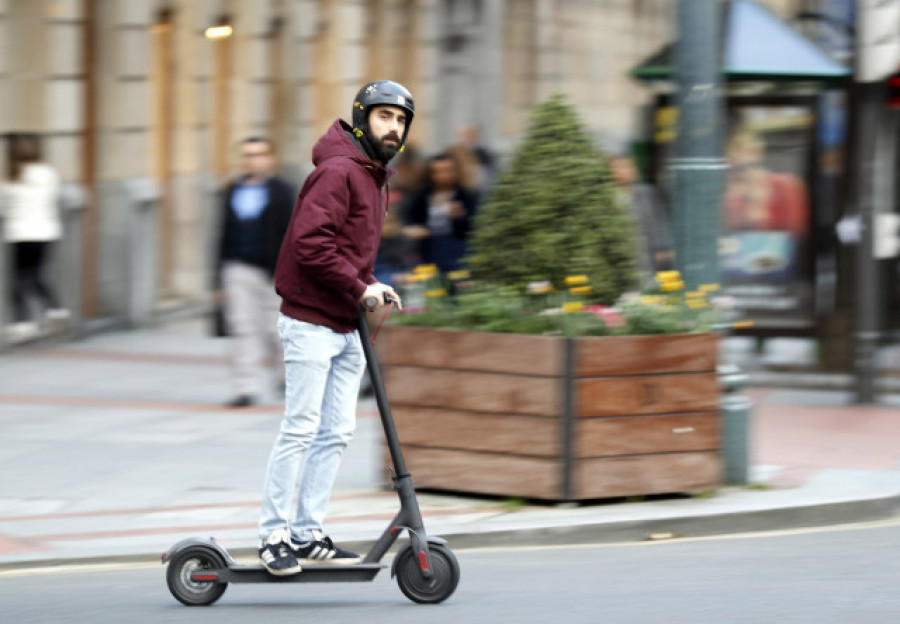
(651, 300)
(696, 304)
(575, 280)
(672, 285)
(540, 288)
(440, 292)
(664, 277)
(709, 287)
(425, 269)
(695, 294)
(457, 276)
(573, 306)
(580, 290)
(418, 277)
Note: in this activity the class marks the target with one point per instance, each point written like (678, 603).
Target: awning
(758, 46)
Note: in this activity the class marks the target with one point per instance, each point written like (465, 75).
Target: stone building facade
(135, 103)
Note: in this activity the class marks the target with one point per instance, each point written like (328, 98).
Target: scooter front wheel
(191, 592)
(439, 587)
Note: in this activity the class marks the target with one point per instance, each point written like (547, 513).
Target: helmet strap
(365, 143)
(370, 150)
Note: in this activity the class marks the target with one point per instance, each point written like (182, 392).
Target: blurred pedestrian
(325, 272)
(395, 254)
(477, 163)
(644, 202)
(32, 223)
(254, 215)
(441, 213)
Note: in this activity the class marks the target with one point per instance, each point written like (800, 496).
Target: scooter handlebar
(371, 302)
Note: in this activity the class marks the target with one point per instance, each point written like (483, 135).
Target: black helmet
(382, 93)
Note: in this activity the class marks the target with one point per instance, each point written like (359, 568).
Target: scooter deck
(311, 573)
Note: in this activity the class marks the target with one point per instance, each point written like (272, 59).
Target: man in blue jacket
(255, 214)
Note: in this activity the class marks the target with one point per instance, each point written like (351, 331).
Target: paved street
(816, 576)
(117, 446)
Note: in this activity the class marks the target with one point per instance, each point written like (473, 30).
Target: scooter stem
(387, 420)
(410, 516)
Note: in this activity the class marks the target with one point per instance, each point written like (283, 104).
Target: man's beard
(385, 151)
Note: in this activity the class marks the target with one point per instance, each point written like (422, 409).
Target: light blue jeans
(323, 369)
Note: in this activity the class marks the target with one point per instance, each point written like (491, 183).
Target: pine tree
(553, 214)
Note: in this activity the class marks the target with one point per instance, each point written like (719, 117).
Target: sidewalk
(116, 447)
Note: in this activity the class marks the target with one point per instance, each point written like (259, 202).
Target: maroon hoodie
(328, 254)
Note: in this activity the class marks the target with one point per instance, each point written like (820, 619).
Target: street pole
(877, 56)
(867, 293)
(698, 184)
(698, 166)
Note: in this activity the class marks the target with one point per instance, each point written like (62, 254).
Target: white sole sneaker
(284, 572)
(275, 551)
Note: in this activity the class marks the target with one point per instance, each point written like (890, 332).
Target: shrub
(552, 252)
(553, 213)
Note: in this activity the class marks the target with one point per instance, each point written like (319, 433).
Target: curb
(728, 523)
(800, 380)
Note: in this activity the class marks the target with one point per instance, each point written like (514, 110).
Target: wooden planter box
(554, 418)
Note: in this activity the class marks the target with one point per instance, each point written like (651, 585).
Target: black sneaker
(276, 555)
(322, 550)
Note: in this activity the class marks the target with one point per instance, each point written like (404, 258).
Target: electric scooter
(200, 569)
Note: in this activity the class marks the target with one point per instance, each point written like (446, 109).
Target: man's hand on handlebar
(379, 294)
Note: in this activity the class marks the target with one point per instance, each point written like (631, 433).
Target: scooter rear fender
(207, 543)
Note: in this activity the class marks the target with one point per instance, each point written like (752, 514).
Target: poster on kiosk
(766, 256)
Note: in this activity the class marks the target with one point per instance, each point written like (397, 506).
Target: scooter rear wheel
(189, 592)
(437, 589)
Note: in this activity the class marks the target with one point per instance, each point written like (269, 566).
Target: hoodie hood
(338, 142)
(328, 255)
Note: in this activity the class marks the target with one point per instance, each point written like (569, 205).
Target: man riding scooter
(325, 271)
